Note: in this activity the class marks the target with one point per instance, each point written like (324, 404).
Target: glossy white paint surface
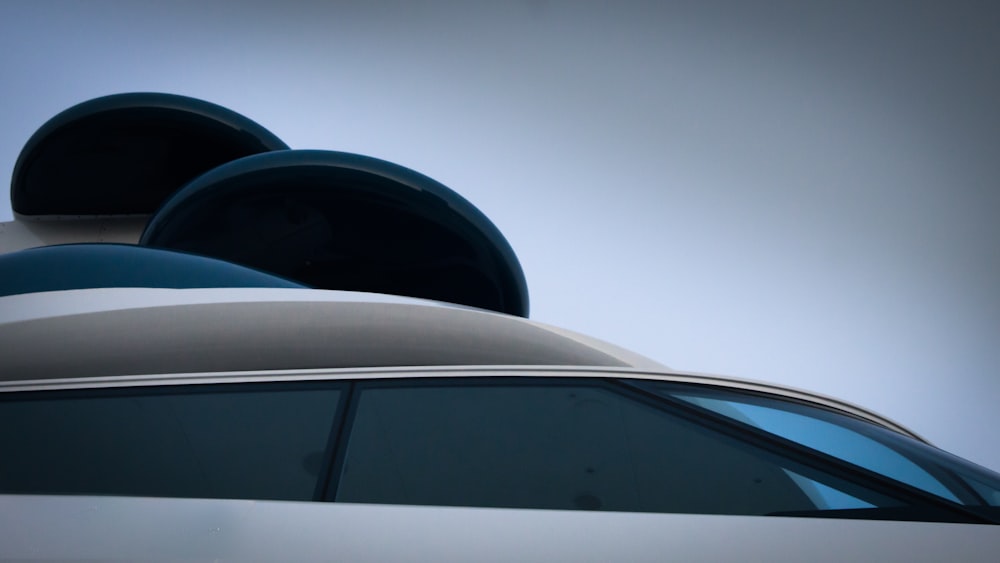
(53, 339)
(105, 528)
(111, 332)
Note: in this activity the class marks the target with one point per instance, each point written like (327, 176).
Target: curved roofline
(93, 300)
(404, 372)
(132, 331)
(561, 349)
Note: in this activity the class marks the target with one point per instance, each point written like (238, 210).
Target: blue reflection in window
(825, 497)
(828, 438)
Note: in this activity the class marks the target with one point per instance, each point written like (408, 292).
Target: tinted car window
(559, 446)
(855, 441)
(830, 438)
(518, 442)
(260, 443)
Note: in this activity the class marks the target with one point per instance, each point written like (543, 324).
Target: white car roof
(128, 331)
(151, 335)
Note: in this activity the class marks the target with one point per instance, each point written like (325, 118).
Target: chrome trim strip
(453, 371)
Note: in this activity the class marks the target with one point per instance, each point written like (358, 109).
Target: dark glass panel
(256, 445)
(560, 446)
(336, 220)
(124, 154)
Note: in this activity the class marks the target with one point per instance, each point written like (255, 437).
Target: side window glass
(826, 497)
(827, 437)
(558, 446)
(990, 494)
(260, 444)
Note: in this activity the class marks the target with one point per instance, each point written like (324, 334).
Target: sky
(795, 192)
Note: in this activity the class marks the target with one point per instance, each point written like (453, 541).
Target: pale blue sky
(789, 191)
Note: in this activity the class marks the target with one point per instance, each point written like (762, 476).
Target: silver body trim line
(261, 376)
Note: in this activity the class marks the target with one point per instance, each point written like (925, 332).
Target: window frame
(207, 388)
(915, 498)
(633, 384)
(945, 476)
(812, 464)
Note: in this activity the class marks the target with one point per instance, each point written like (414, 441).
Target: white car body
(44, 355)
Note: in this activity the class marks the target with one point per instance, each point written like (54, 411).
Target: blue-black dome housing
(84, 266)
(209, 181)
(124, 154)
(336, 220)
